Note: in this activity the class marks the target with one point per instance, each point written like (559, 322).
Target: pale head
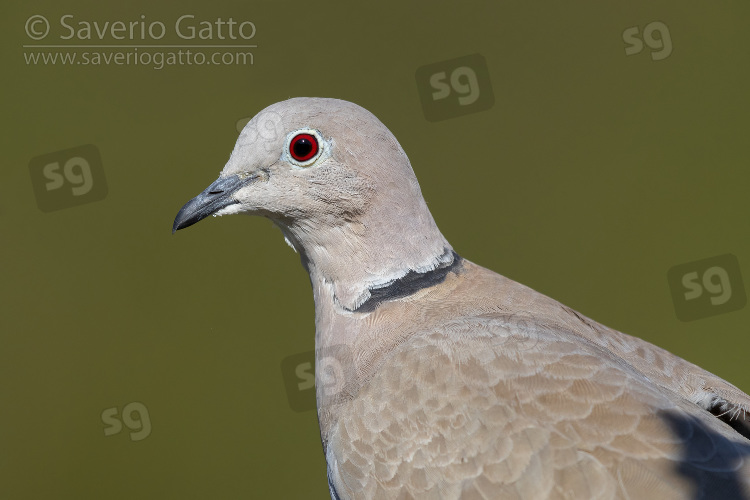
(338, 184)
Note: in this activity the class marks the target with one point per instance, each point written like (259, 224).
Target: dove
(453, 381)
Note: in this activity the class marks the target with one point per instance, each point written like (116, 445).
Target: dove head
(340, 187)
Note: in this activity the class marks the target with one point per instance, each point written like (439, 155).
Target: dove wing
(484, 409)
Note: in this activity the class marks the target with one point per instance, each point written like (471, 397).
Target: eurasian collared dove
(461, 382)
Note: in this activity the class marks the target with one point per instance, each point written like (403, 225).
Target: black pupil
(302, 147)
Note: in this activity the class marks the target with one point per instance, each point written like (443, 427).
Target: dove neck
(350, 263)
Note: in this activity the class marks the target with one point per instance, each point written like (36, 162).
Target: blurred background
(597, 153)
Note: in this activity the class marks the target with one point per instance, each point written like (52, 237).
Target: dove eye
(303, 147)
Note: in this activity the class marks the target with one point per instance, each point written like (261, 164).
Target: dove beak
(218, 195)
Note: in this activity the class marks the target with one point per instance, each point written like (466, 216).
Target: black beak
(215, 197)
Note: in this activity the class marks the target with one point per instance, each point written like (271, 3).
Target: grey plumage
(463, 383)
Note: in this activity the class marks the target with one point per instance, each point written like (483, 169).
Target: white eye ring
(303, 137)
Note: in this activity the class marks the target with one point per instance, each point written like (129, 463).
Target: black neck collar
(409, 284)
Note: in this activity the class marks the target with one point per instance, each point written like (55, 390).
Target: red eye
(303, 147)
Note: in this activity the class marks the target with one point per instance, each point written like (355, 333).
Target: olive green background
(592, 175)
